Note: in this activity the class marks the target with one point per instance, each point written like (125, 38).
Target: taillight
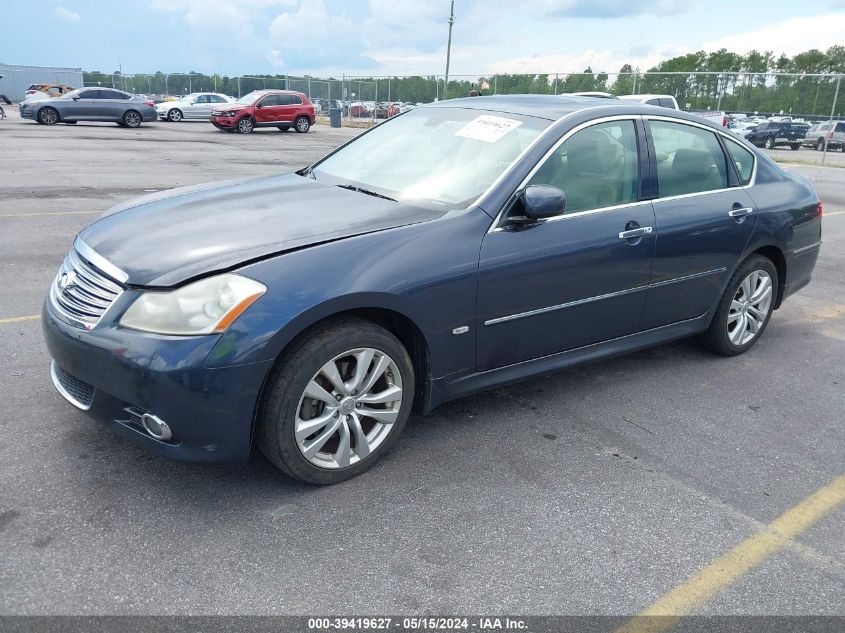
(150, 103)
(830, 135)
(725, 121)
(820, 208)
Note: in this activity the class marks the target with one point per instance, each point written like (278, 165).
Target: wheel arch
(776, 256)
(393, 319)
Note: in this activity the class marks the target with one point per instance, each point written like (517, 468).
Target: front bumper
(28, 113)
(119, 374)
(225, 122)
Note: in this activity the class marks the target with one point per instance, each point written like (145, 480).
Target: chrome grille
(81, 293)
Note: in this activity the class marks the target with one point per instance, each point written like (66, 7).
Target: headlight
(226, 113)
(203, 307)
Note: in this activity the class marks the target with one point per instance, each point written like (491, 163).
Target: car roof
(276, 91)
(554, 107)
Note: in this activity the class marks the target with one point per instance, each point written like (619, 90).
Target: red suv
(265, 108)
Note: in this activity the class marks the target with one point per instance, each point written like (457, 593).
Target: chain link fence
(805, 98)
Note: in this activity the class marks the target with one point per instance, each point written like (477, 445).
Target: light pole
(449, 49)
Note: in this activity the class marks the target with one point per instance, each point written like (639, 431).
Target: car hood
(168, 238)
(225, 107)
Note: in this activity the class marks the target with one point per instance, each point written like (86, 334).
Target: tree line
(753, 82)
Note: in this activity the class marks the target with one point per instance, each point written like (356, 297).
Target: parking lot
(595, 490)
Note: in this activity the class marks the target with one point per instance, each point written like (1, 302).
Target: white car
(665, 101)
(197, 105)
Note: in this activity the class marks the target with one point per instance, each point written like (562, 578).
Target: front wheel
(131, 118)
(745, 309)
(795, 146)
(48, 116)
(336, 402)
(302, 124)
(245, 126)
(174, 114)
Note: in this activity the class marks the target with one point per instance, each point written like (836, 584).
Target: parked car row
(282, 109)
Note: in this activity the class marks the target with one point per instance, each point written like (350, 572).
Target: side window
(89, 94)
(596, 167)
(666, 103)
(840, 128)
(295, 100)
(270, 101)
(653, 102)
(742, 158)
(689, 159)
(201, 99)
(284, 100)
(215, 99)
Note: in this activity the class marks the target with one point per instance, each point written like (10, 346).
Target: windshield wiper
(366, 191)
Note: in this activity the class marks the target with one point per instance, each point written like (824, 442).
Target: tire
(770, 143)
(132, 118)
(820, 145)
(795, 146)
(285, 399)
(48, 116)
(302, 124)
(174, 115)
(245, 125)
(283, 128)
(720, 337)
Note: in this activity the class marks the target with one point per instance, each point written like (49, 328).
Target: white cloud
(66, 14)
(597, 60)
(788, 36)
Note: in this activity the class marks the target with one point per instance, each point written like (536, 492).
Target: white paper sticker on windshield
(488, 128)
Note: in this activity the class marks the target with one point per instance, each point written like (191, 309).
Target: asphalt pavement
(594, 490)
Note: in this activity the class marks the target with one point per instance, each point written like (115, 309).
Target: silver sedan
(91, 104)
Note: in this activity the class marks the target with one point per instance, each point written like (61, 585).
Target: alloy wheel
(348, 408)
(175, 115)
(245, 126)
(749, 307)
(48, 116)
(132, 119)
(302, 124)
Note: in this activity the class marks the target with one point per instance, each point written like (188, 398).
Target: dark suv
(771, 134)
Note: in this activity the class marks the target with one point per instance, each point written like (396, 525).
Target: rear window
(689, 159)
(743, 159)
(666, 103)
(653, 102)
(840, 127)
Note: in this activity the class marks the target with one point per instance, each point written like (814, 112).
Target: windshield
(249, 98)
(436, 157)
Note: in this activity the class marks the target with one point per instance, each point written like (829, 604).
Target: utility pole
(449, 49)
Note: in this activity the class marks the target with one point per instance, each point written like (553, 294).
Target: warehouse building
(16, 79)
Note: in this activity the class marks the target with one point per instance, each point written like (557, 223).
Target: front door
(270, 111)
(81, 105)
(704, 219)
(581, 277)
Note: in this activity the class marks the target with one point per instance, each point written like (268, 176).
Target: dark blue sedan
(454, 248)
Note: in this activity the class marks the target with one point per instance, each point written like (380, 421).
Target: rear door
(578, 278)
(111, 105)
(704, 219)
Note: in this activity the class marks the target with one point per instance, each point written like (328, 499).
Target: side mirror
(258, 105)
(543, 201)
(76, 98)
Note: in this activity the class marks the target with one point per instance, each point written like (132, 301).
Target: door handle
(638, 232)
(738, 213)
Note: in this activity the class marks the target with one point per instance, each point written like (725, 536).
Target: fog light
(156, 427)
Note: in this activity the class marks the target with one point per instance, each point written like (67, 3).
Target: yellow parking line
(666, 611)
(29, 215)
(30, 317)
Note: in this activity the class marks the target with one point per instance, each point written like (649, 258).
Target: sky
(401, 37)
